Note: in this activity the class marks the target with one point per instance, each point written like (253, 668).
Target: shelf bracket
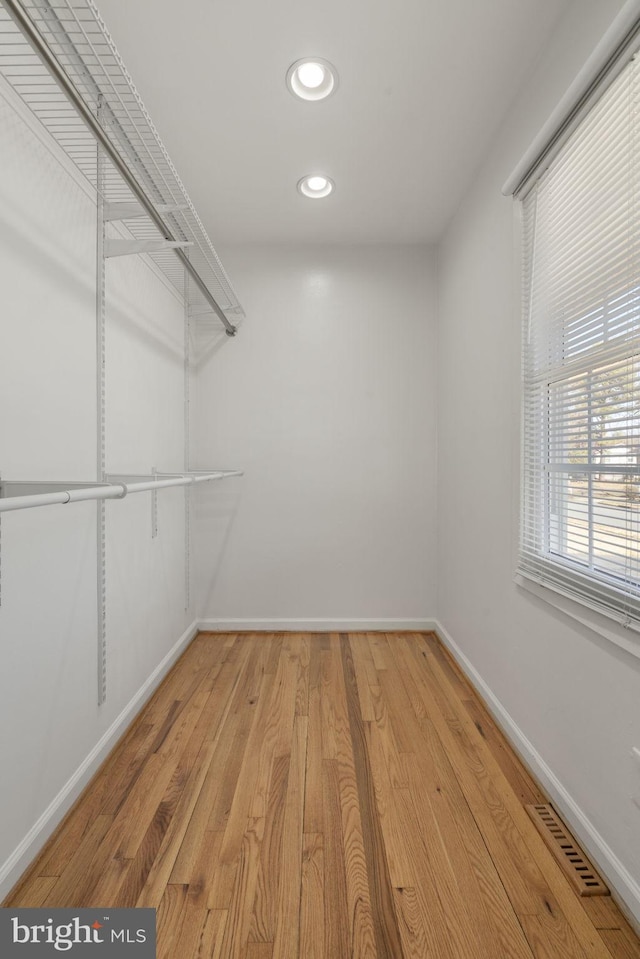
(129, 211)
(132, 247)
(207, 311)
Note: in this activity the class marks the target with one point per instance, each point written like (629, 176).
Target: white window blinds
(580, 528)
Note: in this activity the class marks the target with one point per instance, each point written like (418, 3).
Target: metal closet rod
(107, 491)
(30, 31)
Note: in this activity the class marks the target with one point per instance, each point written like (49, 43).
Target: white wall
(327, 400)
(51, 726)
(574, 695)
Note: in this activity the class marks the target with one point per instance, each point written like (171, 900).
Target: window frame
(577, 589)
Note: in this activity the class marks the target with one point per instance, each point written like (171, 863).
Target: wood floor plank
(328, 670)
(385, 924)
(390, 814)
(606, 916)
(236, 934)
(621, 943)
(379, 650)
(74, 873)
(302, 688)
(278, 724)
(212, 936)
(287, 936)
(208, 731)
(201, 932)
(133, 880)
(366, 675)
(275, 649)
(313, 780)
(394, 764)
(312, 898)
(169, 919)
(227, 776)
(183, 841)
(362, 657)
(449, 933)
(272, 779)
(259, 950)
(411, 923)
(119, 781)
(38, 891)
(264, 915)
(550, 937)
(336, 921)
(229, 857)
(404, 724)
(153, 860)
(522, 784)
(398, 861)
(361, 932)
(192, 930)
(603, 912)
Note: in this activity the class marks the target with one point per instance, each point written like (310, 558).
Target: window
(580, 529)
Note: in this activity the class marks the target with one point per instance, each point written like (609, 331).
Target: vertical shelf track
(101, 440)
(187, 444)
(0, 557)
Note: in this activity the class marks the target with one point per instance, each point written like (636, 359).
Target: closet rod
(32, 34)
(106, 491)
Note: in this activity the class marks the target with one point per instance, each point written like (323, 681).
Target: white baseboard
(24, 853)
(626, 888)
(315, 625)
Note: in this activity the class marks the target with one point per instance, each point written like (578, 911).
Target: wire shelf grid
(77, 36)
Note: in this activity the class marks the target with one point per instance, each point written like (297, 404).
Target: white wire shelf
(79, 41)
(29, 494)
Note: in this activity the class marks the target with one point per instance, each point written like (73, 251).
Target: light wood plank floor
(327, 797)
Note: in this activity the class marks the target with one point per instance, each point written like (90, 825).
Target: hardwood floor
(322, 796)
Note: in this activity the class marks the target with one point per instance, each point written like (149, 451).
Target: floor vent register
(570, 857)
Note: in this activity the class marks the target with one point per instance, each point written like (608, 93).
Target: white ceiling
(423, 86)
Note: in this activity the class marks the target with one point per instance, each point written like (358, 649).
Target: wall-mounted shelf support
(113, 247)
(130, 211)
(207, 312)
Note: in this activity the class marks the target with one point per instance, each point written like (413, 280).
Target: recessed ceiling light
(311, 74)
(315, 186)
(312, 78)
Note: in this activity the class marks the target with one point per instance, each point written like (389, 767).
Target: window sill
(625, 638)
